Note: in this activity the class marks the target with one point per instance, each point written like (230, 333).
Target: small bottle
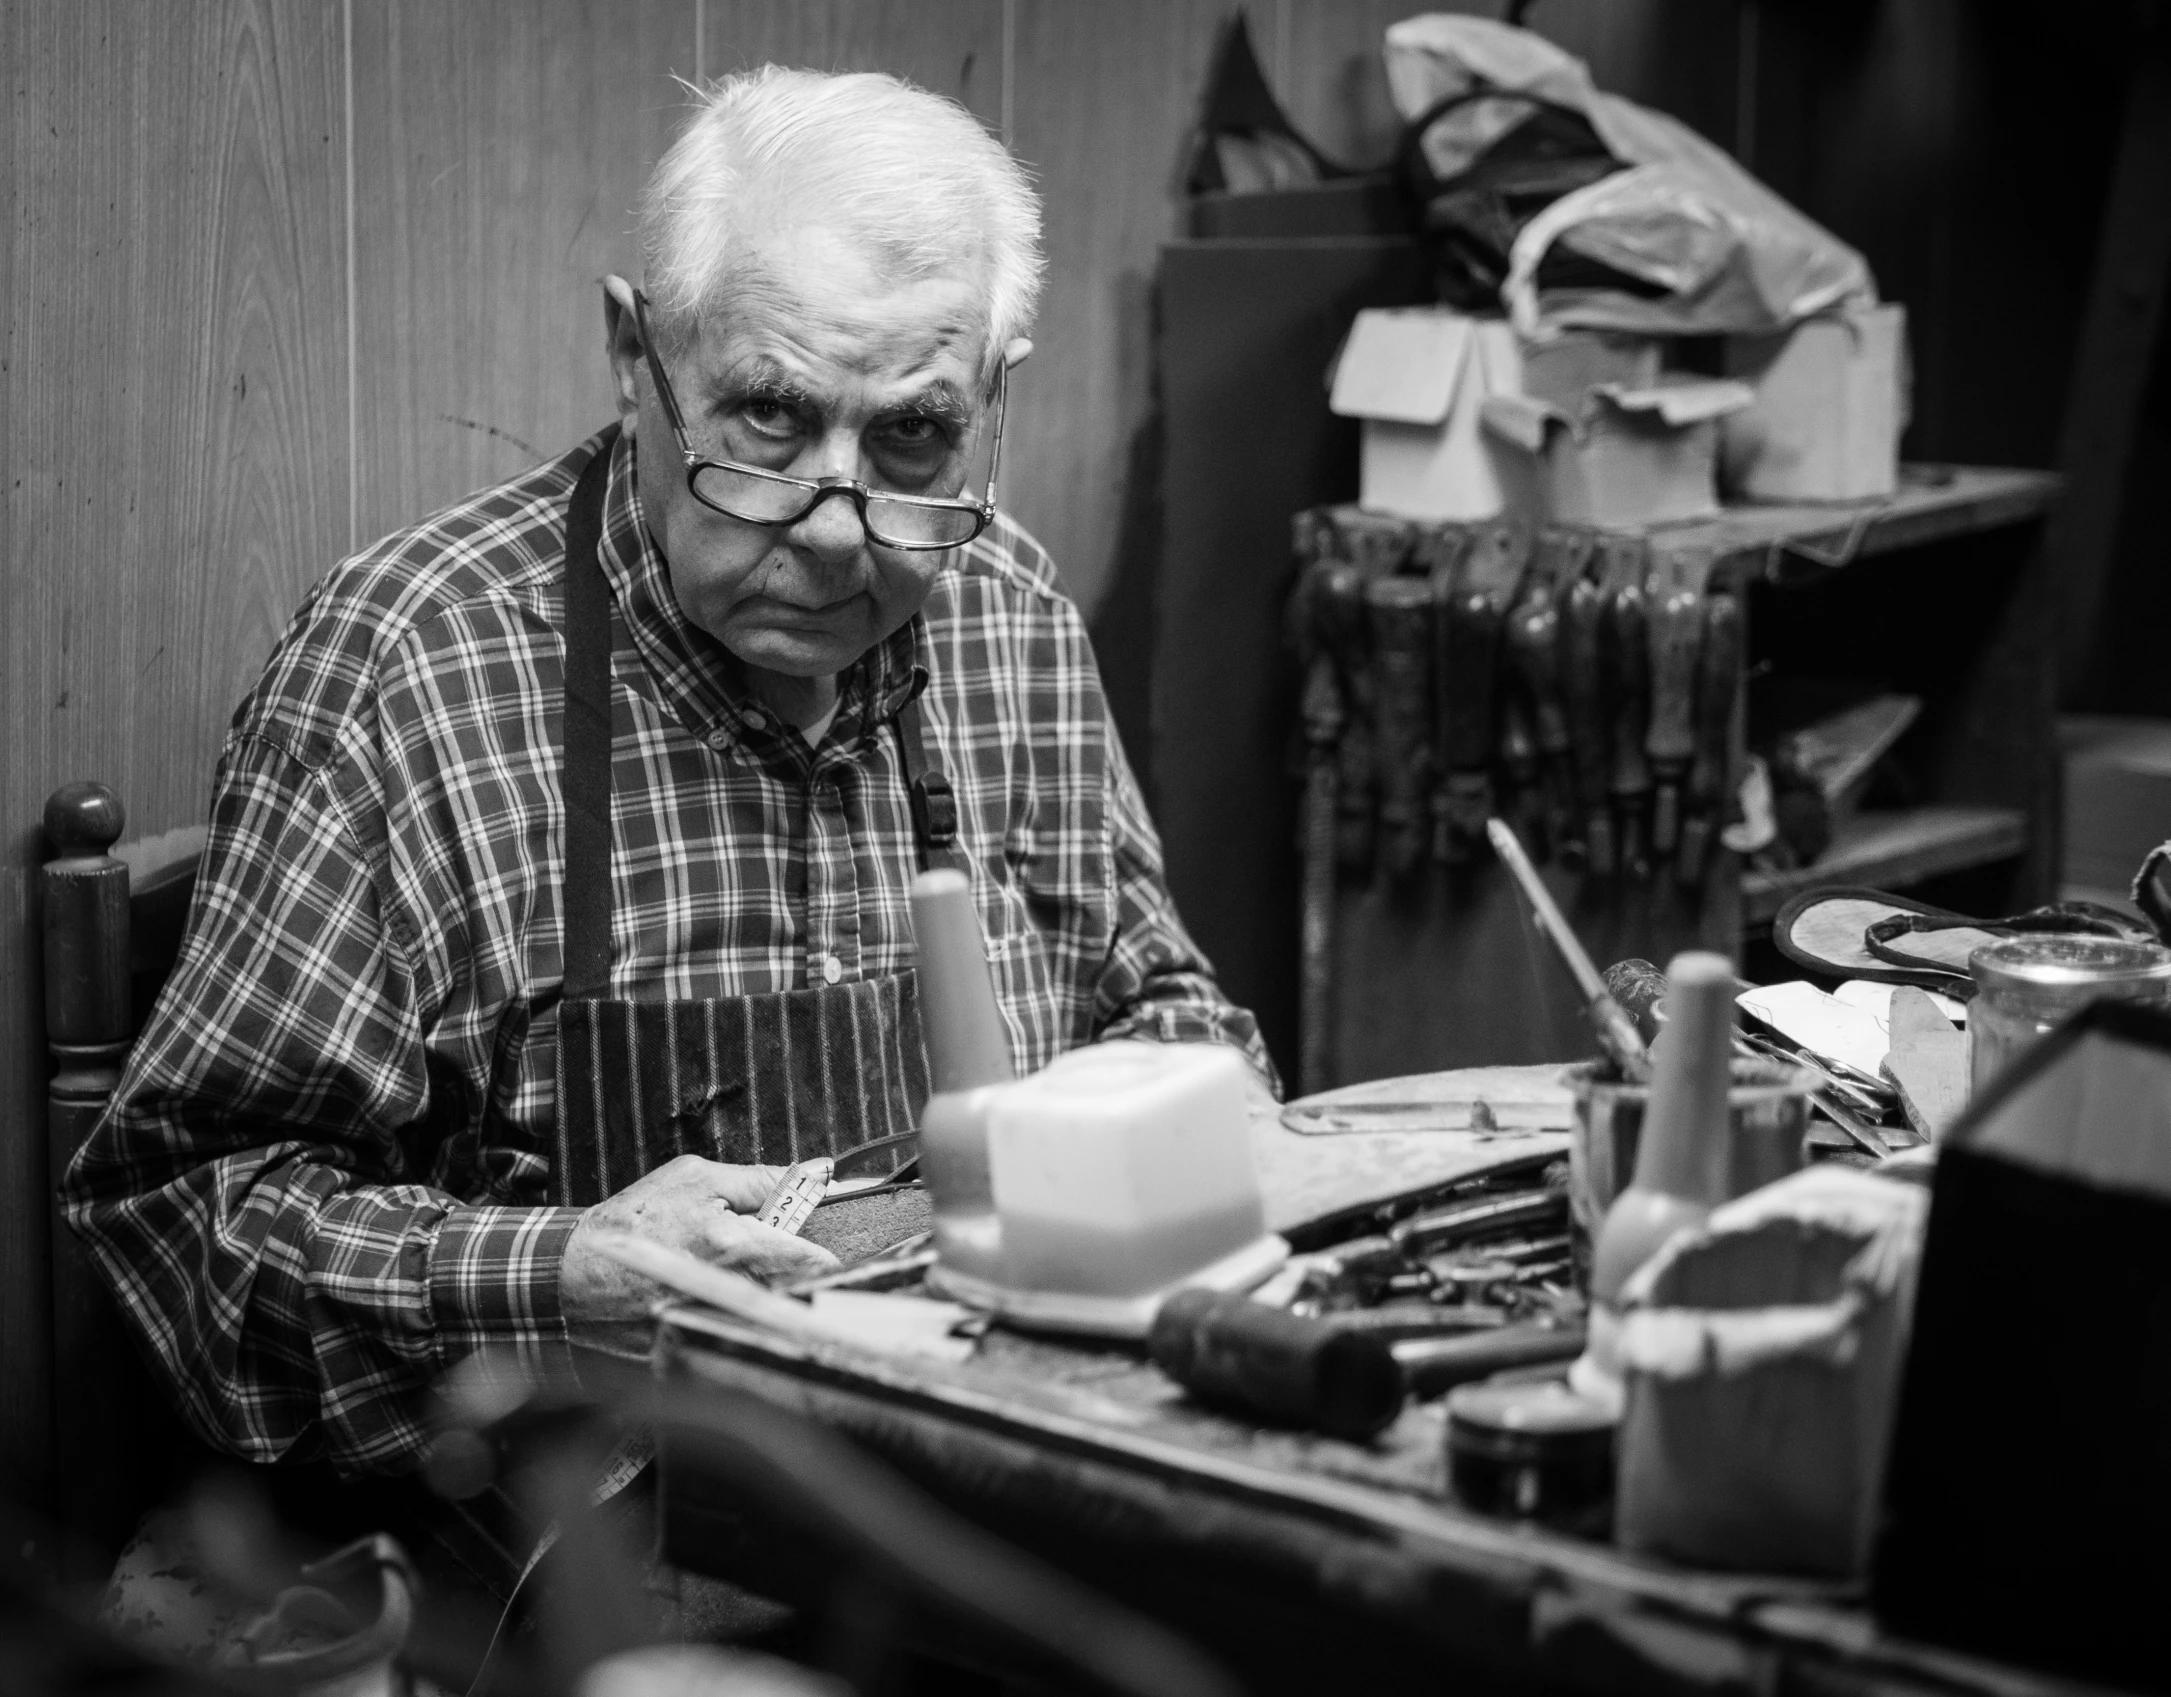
(1680, 1156)
(968, 1057)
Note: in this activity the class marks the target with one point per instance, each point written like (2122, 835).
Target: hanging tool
(1616, 1032)
(1718, 681)
(1676, 623)
(1534, 652)
(1324, 716)
(1399, 622)
(1591, 703)
(1628, 654)
(1466, 617)
(1344, 634)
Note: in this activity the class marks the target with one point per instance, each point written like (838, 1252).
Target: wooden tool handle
(1590, 703)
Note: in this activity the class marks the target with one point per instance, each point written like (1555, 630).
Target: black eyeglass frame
(820, 489)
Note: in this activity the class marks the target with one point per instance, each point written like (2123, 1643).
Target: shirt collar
(700, 679)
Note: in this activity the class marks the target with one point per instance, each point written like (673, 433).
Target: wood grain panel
(173, 446)
(1104, 97)
(954, 47)
(500, 149)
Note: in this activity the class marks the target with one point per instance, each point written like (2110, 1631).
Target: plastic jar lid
(2051, 961)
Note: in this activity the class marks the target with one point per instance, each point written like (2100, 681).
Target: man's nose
(833, 532)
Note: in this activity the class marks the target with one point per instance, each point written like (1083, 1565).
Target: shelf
(1891, 850)
(1931, 504)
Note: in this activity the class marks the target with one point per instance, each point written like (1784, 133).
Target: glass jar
(2025, 985)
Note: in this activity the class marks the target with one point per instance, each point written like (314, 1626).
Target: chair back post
(89, 1021)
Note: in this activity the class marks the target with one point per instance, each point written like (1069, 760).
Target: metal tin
(1532, 1449)
(2025, 985)
(1769, 1109)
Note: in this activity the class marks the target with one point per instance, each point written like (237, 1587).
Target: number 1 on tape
(795, 1200)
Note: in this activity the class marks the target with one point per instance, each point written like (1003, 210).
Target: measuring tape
(793, 1202)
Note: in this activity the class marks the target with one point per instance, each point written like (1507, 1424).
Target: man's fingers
(744, 1189)
(763, 1252)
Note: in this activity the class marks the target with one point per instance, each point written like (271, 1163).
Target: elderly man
(558, 867)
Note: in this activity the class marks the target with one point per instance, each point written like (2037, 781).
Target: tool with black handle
(1534, 653)
(1324, 717)
(1465, 678)
(1628, 675)
(1291, 1369)
(1590, 707)
(1343, 630)
(1718, 680)
(1676, 628)
(1399, 622)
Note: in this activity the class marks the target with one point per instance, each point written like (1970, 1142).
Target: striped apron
(776, 1077)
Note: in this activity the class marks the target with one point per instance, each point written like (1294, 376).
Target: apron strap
(585, 896)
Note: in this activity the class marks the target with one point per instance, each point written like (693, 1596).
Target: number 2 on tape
(795, 1200)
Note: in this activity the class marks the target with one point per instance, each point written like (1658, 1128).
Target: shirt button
(719, 740)
(755, 721)
(832, 969)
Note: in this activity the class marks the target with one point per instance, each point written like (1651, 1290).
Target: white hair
(908, 172)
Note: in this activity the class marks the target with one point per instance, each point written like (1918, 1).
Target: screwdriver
(1399, 619)
(1465, 677)
(1676, 633)
(1588, 705)
(1628, 657)
(1533, 636)
(1718, 680)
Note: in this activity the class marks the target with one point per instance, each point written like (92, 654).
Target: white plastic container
(1120, 1172)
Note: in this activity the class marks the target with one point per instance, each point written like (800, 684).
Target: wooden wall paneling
(500, 150)
(1104, 97)
(174, 450)
(955, 48)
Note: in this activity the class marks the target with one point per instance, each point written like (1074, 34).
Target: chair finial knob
(84, 819)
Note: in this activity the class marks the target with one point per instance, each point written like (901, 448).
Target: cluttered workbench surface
(1304, 1561)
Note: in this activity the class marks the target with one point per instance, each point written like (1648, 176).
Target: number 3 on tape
(794, 1201)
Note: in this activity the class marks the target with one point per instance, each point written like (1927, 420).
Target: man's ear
(622, 341)
(1014, 352)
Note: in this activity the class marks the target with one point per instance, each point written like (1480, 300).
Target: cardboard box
(1626, 457)
(1831, 401)
(1566, 368)
(1417, 377)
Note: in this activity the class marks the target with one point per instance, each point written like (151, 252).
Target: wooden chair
(112, 929)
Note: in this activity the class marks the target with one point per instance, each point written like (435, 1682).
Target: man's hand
(693, 1204)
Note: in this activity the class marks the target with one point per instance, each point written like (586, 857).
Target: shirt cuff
(494, 1282)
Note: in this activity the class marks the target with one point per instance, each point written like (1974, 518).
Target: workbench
(1305, 1563)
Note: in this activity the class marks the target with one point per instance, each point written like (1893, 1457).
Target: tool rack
(1940, 590)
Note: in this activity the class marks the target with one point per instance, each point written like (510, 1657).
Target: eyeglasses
(766, 497)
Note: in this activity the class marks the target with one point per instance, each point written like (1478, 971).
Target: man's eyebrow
(940, 399)
(763, 377)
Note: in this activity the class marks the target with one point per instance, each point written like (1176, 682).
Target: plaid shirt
(320, 1181)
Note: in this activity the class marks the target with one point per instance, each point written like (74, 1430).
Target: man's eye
(769, 418)
(917, 431)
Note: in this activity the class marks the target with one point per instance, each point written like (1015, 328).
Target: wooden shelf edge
(1890, 851)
